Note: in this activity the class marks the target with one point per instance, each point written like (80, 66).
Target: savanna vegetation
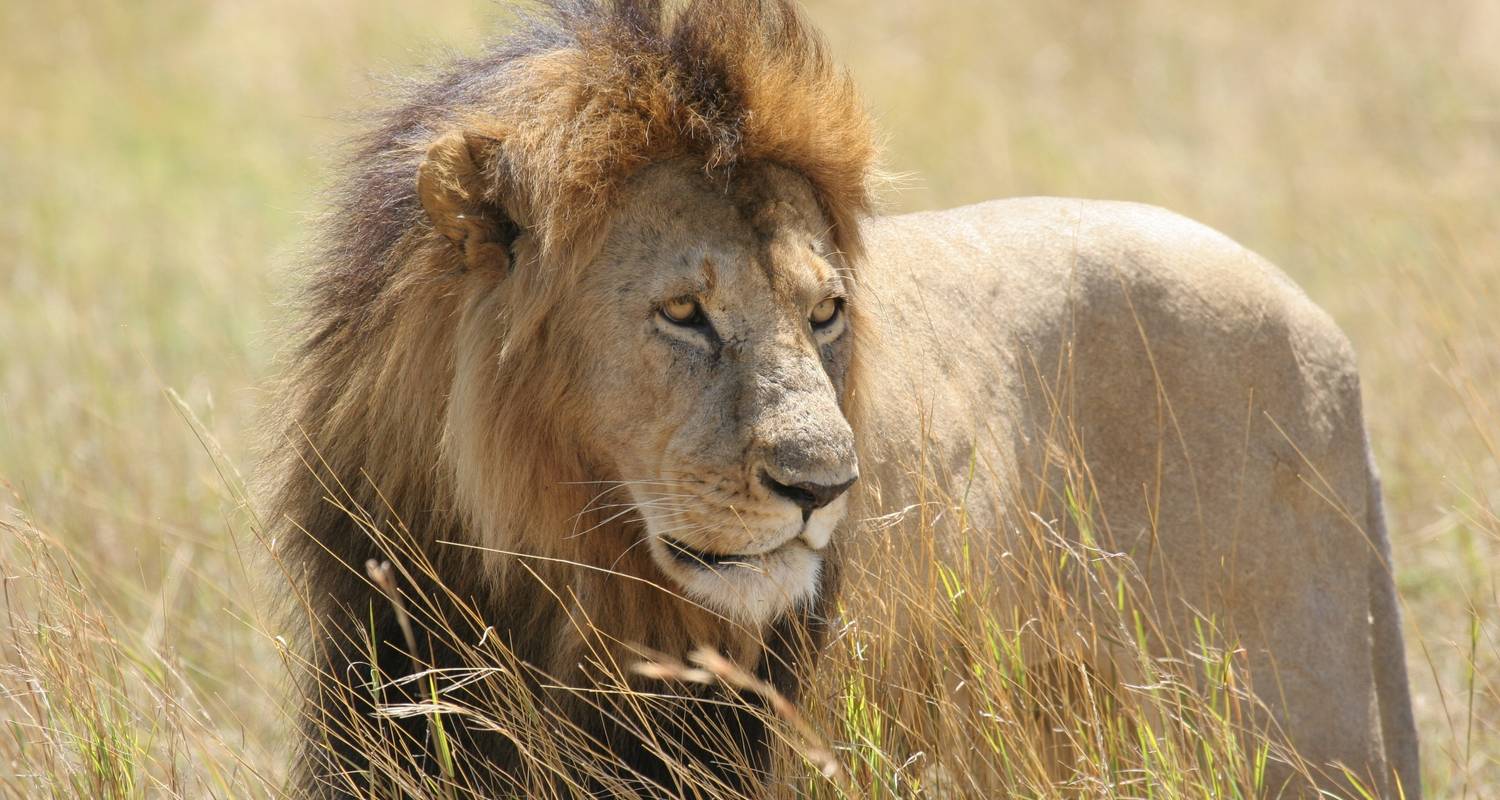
(159, 163)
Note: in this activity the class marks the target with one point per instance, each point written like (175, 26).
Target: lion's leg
(1332, 645)
(1397, 728)
(1310, 650)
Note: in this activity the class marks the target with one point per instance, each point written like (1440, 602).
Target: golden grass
(157, 161)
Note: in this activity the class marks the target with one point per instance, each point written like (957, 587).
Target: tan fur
(452, 394)
(487, 372)
(1113, 367)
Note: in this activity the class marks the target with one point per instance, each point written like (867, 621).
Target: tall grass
(156, 163)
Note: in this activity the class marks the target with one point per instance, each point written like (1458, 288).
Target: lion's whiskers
(616, 485)
(644, 537)
(626, 508)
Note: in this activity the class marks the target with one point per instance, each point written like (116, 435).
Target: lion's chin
(751, 590)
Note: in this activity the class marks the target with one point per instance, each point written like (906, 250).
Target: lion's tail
(1397, 727)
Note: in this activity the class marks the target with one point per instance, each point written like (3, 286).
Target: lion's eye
(683, 311)
(824, 313)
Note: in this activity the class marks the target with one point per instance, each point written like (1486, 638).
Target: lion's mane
(386, 389)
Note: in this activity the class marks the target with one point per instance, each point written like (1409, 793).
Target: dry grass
(156, 163)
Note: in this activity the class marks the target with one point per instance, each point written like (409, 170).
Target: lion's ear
(453, 186)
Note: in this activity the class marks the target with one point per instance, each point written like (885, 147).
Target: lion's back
(1207, 406)
(1138, 316)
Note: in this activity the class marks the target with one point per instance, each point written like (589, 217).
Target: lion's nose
(808, 496)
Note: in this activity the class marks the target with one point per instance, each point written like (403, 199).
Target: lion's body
(1216, 413)
(587, 356)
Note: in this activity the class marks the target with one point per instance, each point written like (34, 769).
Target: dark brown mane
(580, 97)
(584, 93)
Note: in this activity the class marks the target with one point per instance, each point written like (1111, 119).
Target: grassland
(158, 162)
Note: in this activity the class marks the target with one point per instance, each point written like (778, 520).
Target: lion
(608, 356)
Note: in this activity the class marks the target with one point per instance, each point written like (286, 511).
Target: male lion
(603, 336)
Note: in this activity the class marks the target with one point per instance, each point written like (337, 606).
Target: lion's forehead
(673, 206)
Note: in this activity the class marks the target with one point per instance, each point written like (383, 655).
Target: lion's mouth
(704, 559)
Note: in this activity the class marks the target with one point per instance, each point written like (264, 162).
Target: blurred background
(159, 162)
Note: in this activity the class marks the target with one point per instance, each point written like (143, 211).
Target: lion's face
(721, 344)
